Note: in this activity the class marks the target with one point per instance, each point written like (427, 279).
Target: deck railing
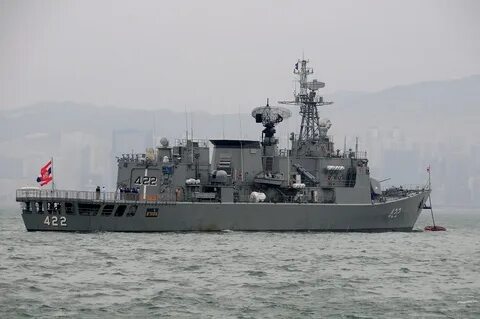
(25, 194)
(407, 187)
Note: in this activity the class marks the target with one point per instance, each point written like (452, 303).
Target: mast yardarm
(308, 100)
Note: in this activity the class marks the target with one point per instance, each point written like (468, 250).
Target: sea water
(242, 274)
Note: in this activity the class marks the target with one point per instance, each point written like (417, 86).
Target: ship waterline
(145, 216)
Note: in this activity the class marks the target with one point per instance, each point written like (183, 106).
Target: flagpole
(429, 178)
(53, 176)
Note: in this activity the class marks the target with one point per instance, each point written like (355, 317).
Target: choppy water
(242, 275)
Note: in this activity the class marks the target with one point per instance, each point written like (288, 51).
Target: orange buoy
(435, 228)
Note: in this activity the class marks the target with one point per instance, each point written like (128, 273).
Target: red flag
(46, 175)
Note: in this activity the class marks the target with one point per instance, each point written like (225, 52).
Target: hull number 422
(55, 221)
(146, 180)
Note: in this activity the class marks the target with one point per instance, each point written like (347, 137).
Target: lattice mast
(308, 101)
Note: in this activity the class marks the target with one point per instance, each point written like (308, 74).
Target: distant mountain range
(403, 128)
(422, 108)
(463, 92)
(352, 111)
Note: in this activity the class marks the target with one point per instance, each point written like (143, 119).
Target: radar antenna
(307, 99)
(269, 117)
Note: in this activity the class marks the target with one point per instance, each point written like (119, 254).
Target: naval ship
(244, 185)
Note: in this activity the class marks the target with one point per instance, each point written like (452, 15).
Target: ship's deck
(26, 195)
(69, 195)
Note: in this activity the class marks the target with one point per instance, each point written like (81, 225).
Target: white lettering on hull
(394, 213)
(54, 221)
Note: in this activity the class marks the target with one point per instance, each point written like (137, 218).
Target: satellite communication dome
(219, 176)
(325, 123)
(164, 142)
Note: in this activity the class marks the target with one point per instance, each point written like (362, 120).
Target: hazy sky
(222, 56)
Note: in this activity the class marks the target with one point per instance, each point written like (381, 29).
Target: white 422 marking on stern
(55, 221)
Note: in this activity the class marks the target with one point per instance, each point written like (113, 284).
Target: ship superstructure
(248, 184)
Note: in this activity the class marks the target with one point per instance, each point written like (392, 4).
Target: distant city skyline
(403, 130)
(219, 57)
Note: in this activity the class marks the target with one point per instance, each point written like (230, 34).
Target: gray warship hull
(246, 185)
(395, 215)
